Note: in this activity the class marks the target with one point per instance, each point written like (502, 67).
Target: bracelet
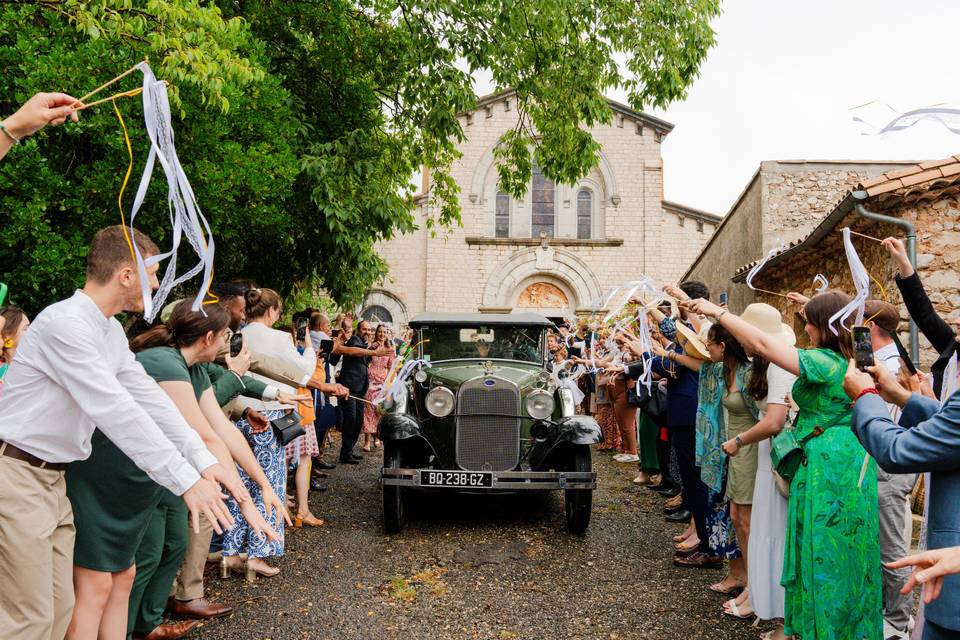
(15, 139)
(863, 393)
(722, 313)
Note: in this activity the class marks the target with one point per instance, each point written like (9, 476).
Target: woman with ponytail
(127, 524)
(13, 322)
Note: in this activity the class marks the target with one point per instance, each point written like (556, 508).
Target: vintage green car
(485, 414)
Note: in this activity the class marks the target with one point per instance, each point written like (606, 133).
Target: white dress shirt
(73, 372)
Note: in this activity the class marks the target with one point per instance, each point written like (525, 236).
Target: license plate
(464, 479)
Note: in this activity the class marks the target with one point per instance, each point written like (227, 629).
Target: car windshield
(495, 343)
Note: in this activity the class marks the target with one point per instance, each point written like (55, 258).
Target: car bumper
(502, 480)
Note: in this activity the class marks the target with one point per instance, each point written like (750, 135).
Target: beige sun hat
(768, 319)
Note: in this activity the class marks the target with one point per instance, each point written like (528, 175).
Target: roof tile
(884, 187)
(899, 173)
(950, 169)
(933, 164)
(873, 181)
(924, 176)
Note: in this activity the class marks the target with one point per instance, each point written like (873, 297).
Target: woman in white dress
(764, 597)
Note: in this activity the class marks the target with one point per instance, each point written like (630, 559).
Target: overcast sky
(782, 77)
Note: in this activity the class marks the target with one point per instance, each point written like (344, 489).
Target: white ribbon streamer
(943, 114)
(397, 388)
(185, 216)
(822, 281)
(861, 281)
(760, 265)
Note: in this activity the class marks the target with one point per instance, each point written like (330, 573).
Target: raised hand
(930, 568)
(898, 251)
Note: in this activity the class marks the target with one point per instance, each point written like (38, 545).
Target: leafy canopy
(301, 122)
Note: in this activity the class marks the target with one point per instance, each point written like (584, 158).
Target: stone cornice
(534, 242)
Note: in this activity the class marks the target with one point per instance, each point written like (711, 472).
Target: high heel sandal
(245, 569)
(309, 519)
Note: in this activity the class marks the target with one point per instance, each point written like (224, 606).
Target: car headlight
(540, 404)
(440, 402)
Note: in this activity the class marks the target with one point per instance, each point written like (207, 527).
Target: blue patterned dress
(711, 433)
(270, 454)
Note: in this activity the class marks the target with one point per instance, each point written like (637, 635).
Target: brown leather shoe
(169, 631)
(199, 609)
(699, 560)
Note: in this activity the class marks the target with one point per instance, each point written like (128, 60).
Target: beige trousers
(36, 552)
(189, 583)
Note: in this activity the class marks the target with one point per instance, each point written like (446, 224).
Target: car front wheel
(393, 496)
(579, 502)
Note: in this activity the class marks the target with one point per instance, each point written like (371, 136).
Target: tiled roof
(924, 181)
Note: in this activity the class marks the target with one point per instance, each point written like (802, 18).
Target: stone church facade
(557, 249)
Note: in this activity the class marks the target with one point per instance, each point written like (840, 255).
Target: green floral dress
(831, 569)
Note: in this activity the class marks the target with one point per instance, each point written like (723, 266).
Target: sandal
(730, 608)
(729, 591)
(686, 547)
(309, 519)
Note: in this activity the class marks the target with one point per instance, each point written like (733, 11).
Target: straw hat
(768, 319)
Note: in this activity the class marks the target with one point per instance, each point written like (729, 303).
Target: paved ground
(478, 567)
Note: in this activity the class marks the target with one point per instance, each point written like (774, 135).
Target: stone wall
(783, 202)
(633, 235)
(938, 259)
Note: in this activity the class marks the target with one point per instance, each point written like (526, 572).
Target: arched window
(502, 216)
(542, 199)
(584, 214)
(378, 314)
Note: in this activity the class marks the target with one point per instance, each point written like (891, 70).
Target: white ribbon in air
(821, 282)
(861, 282)
(946, 115)
(397, 388)
(760, 265)
(185, 216)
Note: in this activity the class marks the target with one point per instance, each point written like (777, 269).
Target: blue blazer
(927, 439)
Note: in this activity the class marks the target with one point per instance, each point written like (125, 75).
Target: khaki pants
(36, 552)
(189, 583)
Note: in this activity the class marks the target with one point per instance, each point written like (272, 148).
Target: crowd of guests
(823, 551)
(125, 459)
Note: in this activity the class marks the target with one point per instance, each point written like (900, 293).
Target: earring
(8, 343)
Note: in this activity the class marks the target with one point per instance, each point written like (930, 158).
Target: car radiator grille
(488, 442)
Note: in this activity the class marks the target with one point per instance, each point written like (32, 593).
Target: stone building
(607, 229)
(925, 194)
(783, 201)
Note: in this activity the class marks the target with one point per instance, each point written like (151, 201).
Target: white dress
(768, 522)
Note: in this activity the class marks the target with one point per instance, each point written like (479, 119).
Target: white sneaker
(627, 457)
(890, 632)
(620, 456)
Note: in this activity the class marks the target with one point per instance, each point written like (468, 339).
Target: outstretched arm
(780, 354)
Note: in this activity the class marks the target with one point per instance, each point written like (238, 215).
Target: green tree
(302, 121)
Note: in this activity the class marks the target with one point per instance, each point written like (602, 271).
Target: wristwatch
(738, 441)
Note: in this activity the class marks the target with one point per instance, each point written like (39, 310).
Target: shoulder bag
(287, 427)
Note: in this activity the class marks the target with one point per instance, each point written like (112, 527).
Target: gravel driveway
(487, 567)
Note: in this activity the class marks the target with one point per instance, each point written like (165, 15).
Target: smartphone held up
(862, 347)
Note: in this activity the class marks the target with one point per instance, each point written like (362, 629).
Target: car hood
(453, 373)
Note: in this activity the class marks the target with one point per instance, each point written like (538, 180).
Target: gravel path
(498, 568)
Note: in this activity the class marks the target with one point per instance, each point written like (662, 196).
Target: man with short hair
(73, 373)
(893, 489)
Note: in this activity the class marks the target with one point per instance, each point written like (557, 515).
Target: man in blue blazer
(927, 439)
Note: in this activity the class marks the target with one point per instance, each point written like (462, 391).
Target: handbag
(787, 451)
(652, 402)
(287, 427)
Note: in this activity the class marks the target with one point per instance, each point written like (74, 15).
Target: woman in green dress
(116, 504)
(831, 570)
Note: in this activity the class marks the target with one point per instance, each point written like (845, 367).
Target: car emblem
(488, 382)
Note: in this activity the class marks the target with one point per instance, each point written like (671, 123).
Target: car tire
(393, 496)
(579, 502)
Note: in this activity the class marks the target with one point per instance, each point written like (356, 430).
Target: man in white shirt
(73, 373)
(893, 489)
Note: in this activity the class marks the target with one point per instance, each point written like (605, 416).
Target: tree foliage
(302, 121)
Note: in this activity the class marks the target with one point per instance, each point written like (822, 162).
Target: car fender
(402, 430)
(573, 430)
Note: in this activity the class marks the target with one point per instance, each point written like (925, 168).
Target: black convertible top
(480, 319)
